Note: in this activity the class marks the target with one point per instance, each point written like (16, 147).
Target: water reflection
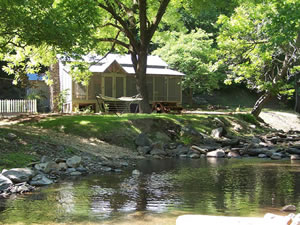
(168, 188)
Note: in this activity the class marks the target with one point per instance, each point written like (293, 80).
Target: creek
(164, 190)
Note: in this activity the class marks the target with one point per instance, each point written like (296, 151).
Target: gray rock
(60, 160)
(159, 136)
(218, 122)
(262, 156)
(106, 169)
(82, 169)
(136, 172)
(181, 150)
(74, 161)
(70, 170)
(21, 188)
(194, 156)
(62, 166)
(142, 140)
(219, 153)
(295, 157)
(217, 133)
(40, 180)
(276, 156)
(183, 156)
(289, 208)
(45, 159)
(255, 151)
(199, 149)
(144, 150)
(11, 136)
(233, 154)
(5, 183)
(293, 151)
(47, 167)
(190, 131)
(76, 173)
(125, 164)
(159, 152)
(19, 175)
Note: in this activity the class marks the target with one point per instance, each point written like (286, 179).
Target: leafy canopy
(260, 44)
(192, 54)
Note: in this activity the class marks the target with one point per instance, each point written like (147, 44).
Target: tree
(260, 45)
(132, 24)
(192, 54)
(33, 32)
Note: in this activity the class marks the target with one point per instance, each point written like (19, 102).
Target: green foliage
(193, 55)
(16, 159)
(249, 118)
(260, 44)
(62, 99)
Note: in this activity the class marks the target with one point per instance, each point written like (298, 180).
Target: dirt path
(282, 120)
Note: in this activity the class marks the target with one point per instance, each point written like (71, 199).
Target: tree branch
(126, 29)
(161, 11)
(113, 40)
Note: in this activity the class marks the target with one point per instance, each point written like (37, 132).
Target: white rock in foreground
(224, 220)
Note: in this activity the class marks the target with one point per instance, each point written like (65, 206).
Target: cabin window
(80, 91)
(174, 89)
(119, 87)
(160, 91)
(130, 86)
(94, 86)
(108, 87)
(150, 88)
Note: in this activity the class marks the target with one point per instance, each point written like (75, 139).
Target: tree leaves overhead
(259, 43)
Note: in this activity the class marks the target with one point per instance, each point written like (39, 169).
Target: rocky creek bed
(274, 146)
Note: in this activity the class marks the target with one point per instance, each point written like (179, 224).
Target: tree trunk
(141, 83)
(54, 87)
(260, 103)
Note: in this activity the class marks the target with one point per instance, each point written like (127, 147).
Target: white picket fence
(18, 106)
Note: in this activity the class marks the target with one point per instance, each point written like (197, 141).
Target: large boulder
(233, 154)
(219, 153)
(295, 157)
(47, 167)
(40, 180)
(181, 150)
(158, 150)
(276, 156)
(289, 208)
(142, 140)
(19, 175)
(74, 161)
(255, 151)
(5, 183)
(143, 150)
(218, 132)
(160, 136)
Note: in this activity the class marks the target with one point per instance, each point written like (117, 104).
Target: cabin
(112, 86)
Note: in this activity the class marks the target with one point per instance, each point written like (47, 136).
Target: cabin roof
(155, 65)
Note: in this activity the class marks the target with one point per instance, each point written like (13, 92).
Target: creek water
(164, 190)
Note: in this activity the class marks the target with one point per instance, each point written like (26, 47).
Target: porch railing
(18, 106)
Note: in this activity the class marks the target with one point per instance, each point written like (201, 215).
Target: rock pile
(278, 145)
(48, 170)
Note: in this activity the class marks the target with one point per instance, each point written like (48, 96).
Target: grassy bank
(116, 130)
(121, 130)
